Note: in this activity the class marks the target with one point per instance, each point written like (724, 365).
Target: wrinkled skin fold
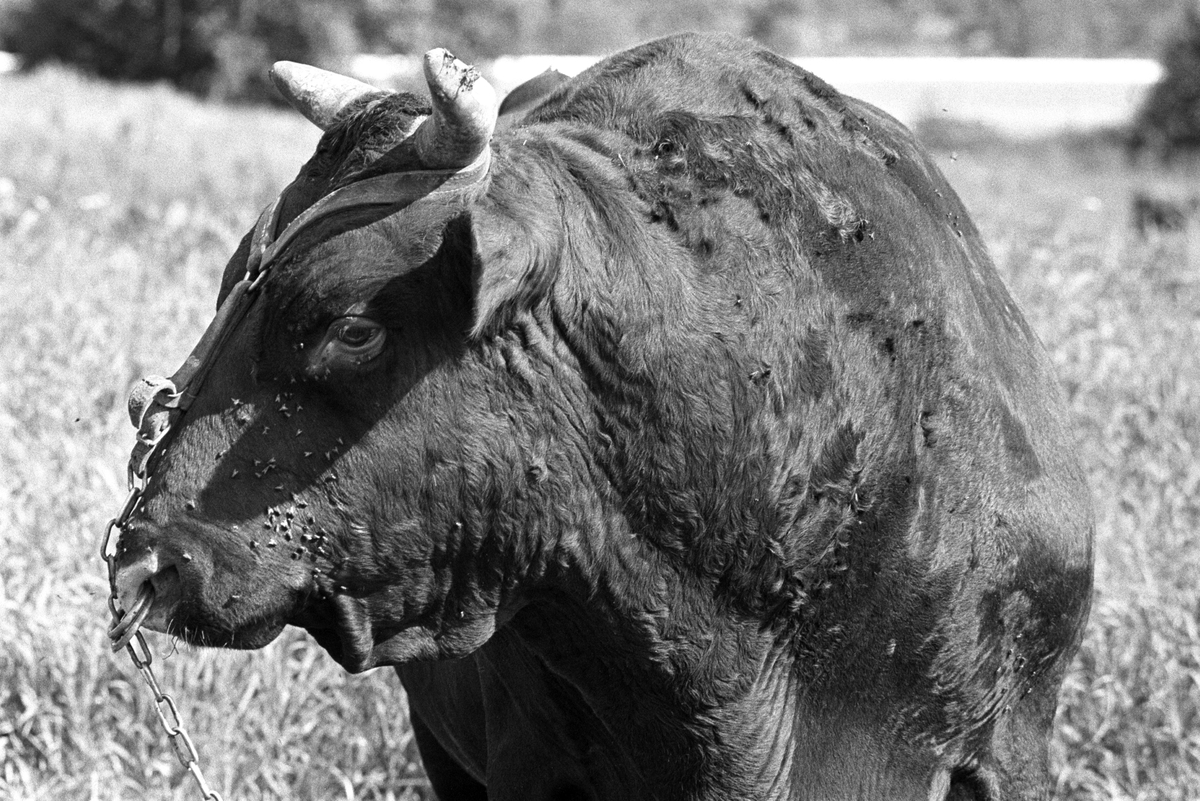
(697, 452)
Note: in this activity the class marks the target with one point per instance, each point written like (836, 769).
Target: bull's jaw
(361, 632)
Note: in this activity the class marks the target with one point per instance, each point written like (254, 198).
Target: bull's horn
(320, 95)
(464, 113)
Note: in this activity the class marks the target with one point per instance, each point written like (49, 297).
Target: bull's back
(933, 523)
(871, 243)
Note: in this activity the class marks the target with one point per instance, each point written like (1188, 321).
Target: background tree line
(217, 48)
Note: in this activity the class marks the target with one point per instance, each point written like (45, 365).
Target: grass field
(118, 208)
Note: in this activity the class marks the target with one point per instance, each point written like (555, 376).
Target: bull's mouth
(154, 609)
(249, 636)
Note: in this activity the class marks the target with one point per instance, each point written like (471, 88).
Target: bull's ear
(518, 249)
(532, 92)
(318, 94)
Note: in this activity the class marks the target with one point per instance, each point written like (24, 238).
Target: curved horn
(320, 95)
(464, 113)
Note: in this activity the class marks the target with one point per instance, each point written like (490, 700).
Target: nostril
(166, 582)
(131, 577)
(149, 574)
(164, 578)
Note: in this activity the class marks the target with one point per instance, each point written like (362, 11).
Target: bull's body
(708, 457)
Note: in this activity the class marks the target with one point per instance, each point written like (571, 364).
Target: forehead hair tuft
(366, 130)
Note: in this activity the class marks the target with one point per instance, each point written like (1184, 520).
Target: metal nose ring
(124, 629)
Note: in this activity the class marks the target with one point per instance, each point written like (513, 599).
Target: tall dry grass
(1120, 315)
(118, 208)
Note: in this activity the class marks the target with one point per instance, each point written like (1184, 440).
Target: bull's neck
(671, 673)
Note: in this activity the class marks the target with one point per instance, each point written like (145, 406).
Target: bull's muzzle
(147, 592)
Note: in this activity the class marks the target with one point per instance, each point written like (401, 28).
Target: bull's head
(344, 462)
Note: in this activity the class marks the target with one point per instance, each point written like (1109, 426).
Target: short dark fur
(706, 446)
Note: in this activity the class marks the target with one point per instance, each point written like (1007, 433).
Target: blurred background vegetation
(217, 47)
(1168, 123)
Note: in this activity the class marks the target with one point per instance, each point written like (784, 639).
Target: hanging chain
(127, 634)
(168, 716)
(156, 403)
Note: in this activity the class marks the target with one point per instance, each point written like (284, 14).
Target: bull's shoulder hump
(715, 77)
(722, 93)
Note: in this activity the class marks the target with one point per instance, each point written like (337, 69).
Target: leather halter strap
(156, 403)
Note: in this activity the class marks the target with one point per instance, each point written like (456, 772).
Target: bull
(679, 442)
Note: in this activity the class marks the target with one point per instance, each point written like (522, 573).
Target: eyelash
(338, 351)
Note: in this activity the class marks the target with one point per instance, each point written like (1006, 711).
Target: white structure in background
(1017, 96)
(1020, 96)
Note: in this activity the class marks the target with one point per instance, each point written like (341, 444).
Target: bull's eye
(356, 333)
(348, 342)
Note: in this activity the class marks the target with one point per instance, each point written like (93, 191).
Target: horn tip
(437, 58)
(320, 95)
(280, 71)
(289, 79)
(447, 75)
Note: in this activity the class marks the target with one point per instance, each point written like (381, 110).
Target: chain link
(181, 741)
(155, 406)
(157, 403)
(139, 653)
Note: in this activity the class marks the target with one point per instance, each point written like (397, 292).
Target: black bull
(696, 451)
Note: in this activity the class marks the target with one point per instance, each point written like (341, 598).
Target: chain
(168, 716)
(139, 652)
(156, 403)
